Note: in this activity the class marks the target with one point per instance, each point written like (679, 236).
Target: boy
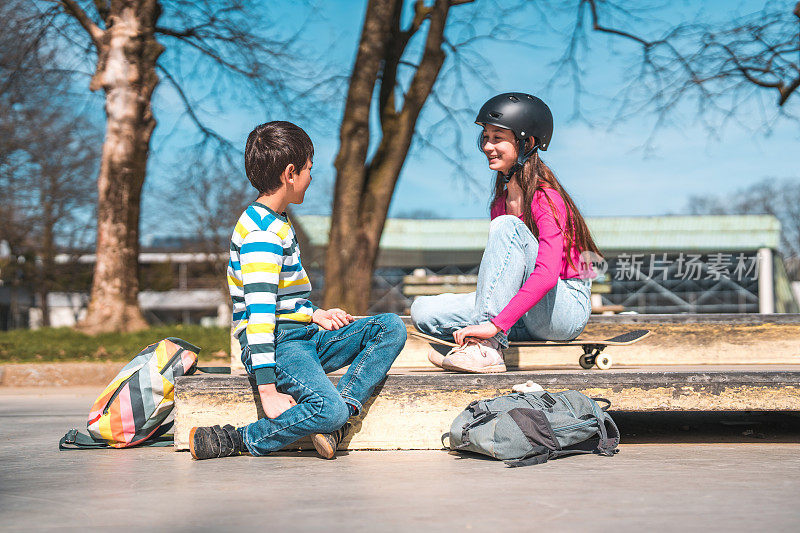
(288, 344)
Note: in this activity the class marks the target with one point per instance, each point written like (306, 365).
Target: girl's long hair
(535, 176)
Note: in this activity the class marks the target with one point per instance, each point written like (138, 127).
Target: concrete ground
(744, 484)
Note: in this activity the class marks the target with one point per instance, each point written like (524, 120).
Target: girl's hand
(478, 331)
(331, 319)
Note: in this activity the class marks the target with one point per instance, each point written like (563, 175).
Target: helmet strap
(522, 158)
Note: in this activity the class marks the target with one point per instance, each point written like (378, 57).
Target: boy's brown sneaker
(215, 441)
(327, 443)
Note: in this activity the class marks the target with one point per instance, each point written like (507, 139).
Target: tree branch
(394, 42)
(745, 71)
(94, 31)
(102, 8)
(788, 90)
(178, 34)
(205, 130)
(603, 29)
(431, 62)
(207, 51)
(421, 13)
(712, 65)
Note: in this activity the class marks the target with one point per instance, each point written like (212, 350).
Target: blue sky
(610, 168)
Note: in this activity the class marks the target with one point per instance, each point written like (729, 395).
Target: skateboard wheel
(603, 362)
(586, 361)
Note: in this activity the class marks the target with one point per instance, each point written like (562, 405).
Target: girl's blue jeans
(508, 261)
(302, 358)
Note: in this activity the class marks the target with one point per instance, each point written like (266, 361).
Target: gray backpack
(531, 427)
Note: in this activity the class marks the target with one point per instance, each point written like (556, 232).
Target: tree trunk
(47, 269)
(364, 190)
(126, 71)
(348, 277)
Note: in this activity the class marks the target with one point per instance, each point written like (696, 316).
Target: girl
(532, 284)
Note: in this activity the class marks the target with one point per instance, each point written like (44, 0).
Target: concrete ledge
(699, 318)
(415, 408)
(712, 339)
(671, 343)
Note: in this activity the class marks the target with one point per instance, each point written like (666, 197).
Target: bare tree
(719, 68)
(136, 44)
(48, 154)
(770, 196)
(364, 185)
(220, 194)
(219, 201)
(54, 190)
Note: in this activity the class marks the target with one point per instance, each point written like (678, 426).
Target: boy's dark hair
(270, 148)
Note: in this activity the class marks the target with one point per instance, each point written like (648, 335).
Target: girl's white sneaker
(478, 357)
(435, 357)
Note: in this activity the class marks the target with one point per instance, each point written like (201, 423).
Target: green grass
(64, 344)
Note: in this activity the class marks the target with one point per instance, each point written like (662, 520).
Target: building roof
(710, 233)
(151, 257)
(173, 300)
(700, 232)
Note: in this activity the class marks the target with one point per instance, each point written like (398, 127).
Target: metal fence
(643, 283)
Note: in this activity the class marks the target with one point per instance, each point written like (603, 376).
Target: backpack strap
(214, 369)
(478, 407)
(75, 440)
(547, 399)
(529, 460)
(158, 442)
(157, 434)
(484, 417)
(480, 414)
(607, 445)
(608, 441)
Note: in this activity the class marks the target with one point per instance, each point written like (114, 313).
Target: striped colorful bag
(135, 405)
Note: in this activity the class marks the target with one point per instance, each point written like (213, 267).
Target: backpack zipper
(117, 392)
(125, 382)
(171, 361)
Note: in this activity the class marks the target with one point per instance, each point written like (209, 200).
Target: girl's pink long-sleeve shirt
(551, 261)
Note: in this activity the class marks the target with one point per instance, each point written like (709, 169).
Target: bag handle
(186, 345)
(598, 399)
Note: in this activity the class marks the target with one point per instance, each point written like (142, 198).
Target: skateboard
(592, 348)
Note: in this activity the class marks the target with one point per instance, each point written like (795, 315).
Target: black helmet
(525, 115)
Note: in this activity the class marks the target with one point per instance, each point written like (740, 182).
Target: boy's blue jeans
(508, 261)
(302, 358)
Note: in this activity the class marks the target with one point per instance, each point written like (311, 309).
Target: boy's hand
(273, 402)
(331, 319)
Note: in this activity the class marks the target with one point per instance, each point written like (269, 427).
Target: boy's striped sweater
(268, 285)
